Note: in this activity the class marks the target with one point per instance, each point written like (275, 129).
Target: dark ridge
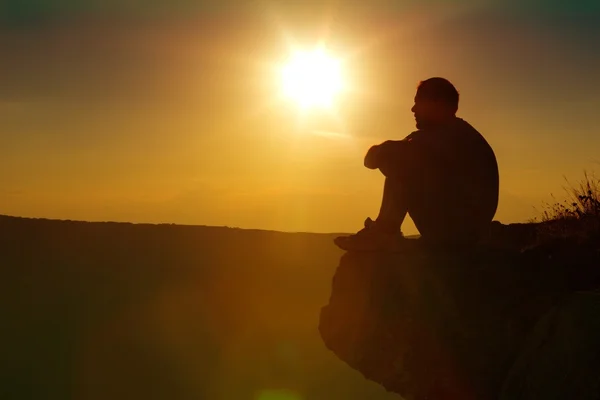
(105, 310)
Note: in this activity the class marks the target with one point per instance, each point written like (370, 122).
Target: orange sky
(173, 116)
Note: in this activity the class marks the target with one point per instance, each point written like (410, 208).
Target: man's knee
(371, 159)
(387, 156)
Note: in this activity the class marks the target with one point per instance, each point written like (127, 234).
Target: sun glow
(312, 79)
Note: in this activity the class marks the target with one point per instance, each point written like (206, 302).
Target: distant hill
(103, 310)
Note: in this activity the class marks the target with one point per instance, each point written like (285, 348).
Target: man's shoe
(371, 238)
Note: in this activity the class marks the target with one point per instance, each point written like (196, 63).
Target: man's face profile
(430, 112)
(425, 111)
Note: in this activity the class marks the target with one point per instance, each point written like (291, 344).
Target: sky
(171, 111)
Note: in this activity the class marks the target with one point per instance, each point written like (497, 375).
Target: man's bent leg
(384, 234)
(394, 206)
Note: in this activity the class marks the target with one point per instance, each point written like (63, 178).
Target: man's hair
(438, 89)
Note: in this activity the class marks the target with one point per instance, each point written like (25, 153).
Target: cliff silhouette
(518, 317)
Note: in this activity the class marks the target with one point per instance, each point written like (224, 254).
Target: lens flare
(278, 395)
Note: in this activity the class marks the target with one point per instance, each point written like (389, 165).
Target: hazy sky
(169, 111)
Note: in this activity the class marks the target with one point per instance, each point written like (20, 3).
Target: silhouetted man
(444, 175)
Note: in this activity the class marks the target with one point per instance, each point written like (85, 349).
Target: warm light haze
(258, 114)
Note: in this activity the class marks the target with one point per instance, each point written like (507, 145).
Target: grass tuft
(577, 217)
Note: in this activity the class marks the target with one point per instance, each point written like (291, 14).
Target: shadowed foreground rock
(450, 325)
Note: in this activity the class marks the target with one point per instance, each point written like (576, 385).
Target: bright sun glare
(312, 79)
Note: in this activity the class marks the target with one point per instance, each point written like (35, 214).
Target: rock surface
(454, 325)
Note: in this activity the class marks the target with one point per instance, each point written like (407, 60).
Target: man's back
(459, 179)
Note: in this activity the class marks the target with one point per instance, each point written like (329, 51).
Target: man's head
(436, 103)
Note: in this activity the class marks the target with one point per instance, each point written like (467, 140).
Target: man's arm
(386, 154)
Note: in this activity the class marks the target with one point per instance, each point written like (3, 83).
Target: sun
(312, 78)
